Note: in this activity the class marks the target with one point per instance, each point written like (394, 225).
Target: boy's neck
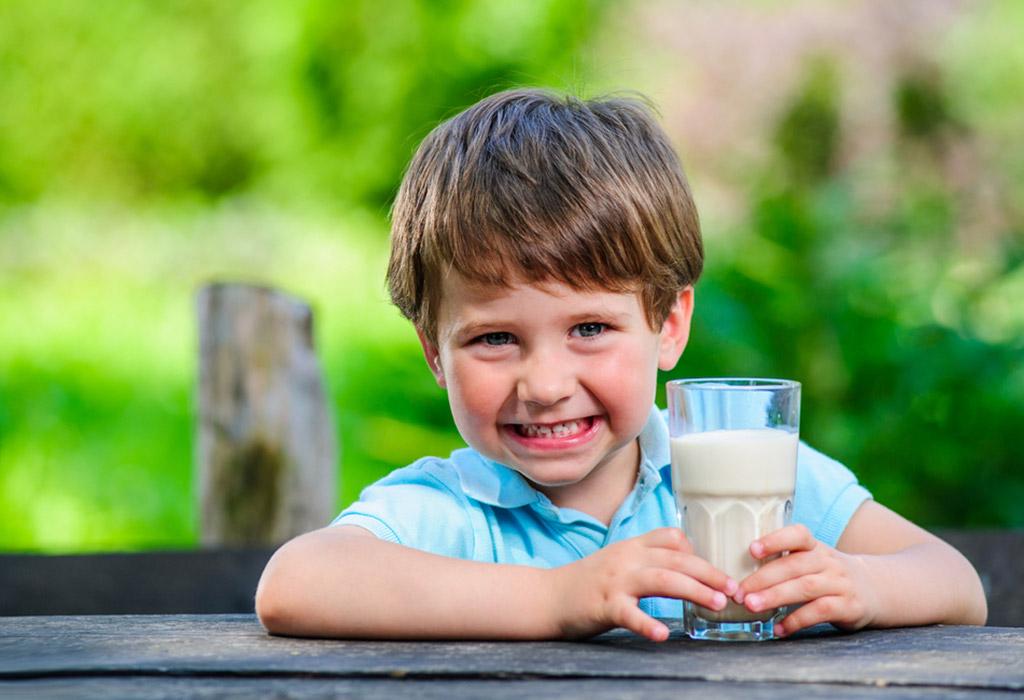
(604, 490)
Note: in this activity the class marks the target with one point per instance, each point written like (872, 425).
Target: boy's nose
(546, 381)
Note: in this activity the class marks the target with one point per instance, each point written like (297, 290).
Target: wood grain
(145, 687)
(208, 646)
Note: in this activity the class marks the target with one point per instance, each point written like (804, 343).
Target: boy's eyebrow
(602, 314)
(471, 328)
(474, 328)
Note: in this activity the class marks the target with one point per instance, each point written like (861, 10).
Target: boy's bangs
(542, 259)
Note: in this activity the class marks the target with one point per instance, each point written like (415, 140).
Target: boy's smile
(555, 435)
(554, 382)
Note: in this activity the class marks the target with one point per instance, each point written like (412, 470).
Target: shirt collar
(490, 482)
(495, 484)
(654, 441)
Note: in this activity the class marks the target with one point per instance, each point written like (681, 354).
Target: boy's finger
(788, 539)
(775, 572)
(635, 620)
(818, 611)
(797, 590)
(695, 567)
(669, 538)
(666, 583)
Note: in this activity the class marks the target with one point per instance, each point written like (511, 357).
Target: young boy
(545, 249)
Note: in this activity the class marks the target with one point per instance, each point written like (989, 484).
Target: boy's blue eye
(589, 330)
(497, 338)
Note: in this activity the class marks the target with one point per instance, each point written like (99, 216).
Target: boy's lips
(558, 435)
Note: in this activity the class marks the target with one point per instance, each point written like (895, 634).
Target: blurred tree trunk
(265, 449)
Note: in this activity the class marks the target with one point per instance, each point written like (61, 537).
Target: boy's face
(553, 382)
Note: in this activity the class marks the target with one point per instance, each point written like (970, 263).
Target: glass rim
(735, 383)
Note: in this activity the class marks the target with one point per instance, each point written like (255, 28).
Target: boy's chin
(549, 473)
(542, 481)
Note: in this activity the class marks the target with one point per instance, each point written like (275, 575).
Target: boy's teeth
(556, 430)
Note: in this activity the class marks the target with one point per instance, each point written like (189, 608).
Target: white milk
(733, 487)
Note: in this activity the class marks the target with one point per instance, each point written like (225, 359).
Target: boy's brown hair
(530, 186)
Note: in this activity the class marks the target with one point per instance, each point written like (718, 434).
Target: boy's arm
(885, 572)
(920, 578)
(345, 582)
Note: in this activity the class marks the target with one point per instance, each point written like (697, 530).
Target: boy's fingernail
(739, 597)
(779, 631)
(719, 600)
(757, 549)
(754, 602)
(730, 587)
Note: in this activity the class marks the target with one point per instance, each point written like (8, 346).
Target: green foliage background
(146, 148)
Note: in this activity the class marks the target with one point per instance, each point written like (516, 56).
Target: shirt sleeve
(414, 507)
(827, 495)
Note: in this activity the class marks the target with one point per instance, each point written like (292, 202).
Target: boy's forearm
(329, 584)
(927, 583)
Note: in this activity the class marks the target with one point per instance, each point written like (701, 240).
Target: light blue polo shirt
(471, 507)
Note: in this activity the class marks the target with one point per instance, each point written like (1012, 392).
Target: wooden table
(173, 656)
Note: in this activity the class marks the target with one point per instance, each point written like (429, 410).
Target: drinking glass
(734, 447)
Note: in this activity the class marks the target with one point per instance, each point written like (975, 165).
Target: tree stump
(265, 450)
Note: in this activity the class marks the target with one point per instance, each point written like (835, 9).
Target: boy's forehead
(465, 300)
(456, 288)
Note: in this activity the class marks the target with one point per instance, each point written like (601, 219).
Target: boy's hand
(834, 586)
(602, 590)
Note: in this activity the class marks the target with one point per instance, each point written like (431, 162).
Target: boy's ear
(433, 358)
(675, 331)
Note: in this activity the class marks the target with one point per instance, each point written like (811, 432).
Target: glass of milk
(734, 445)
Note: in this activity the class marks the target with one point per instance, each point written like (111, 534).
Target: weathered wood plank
(208, 581)
(144, 687)
(266, 448)
(966, 657)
